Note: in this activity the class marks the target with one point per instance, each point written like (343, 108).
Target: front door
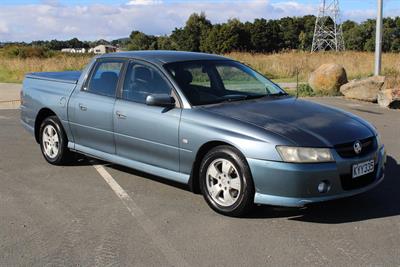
(91, 109)
(147, 134)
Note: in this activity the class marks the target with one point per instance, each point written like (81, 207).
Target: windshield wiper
(230, 98)
(278, 94)
(255, 96)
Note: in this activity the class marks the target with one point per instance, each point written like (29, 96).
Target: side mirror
(160, 100)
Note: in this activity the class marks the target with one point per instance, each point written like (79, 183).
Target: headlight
(304, 154)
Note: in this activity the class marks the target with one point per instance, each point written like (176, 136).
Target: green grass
(306, 91)
(7, 76)
(286, 80)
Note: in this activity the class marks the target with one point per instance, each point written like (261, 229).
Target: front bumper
(295, 185)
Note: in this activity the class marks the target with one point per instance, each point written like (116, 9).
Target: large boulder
(391, 82)
(327, 79)
(364, 89)
(389, 95)
(389, 98)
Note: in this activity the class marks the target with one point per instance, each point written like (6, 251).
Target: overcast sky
(27, 20)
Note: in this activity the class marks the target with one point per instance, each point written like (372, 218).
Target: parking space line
(171, 254)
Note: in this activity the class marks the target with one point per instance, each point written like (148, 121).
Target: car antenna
(297, 82)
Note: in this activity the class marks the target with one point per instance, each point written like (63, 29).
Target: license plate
(363, 168)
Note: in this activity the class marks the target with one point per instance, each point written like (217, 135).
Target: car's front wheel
(226, 182)
(53, 141)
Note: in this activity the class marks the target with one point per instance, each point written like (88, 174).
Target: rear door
(147, 134)
(91, 108)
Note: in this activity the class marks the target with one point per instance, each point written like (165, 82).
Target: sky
(27, 20)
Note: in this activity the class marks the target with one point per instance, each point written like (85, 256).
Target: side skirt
(168, 174)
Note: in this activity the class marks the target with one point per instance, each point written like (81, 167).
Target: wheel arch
(40, 117)
(194, 180)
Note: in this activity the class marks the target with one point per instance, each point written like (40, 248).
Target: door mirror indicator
(160, 100)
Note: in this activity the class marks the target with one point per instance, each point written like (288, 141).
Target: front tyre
(226, 182)
(53, 141)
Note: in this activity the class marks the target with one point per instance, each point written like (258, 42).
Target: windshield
(214, 81)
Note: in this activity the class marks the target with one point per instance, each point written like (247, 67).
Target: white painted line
(171, 254)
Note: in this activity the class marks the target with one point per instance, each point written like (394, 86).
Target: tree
(227, 37)
(190, 37)
(166, 43)
(303, 40)
(141, 41)
(355, 36)
(261, 40)
(290, 32)
(306, 28)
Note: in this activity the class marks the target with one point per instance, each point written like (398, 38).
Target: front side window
(105, 77)
(213, 81)
(142, 80)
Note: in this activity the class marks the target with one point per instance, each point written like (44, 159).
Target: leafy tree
(226, 37)
(354, 38)
(306, 27)
(302, 40)
(265, 35)
(290, 33)
(166, 43)
(141, 41)
(189, 38)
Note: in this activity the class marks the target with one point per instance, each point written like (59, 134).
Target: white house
(102, 49)
(74, 50)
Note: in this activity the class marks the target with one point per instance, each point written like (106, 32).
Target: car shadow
(149, 176)
(84, 160)
(382, 201)
(367, 111)
(79, 160)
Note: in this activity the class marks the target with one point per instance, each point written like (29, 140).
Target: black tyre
(54, 142)
(226, 182)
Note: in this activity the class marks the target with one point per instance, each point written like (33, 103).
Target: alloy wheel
(223, 182)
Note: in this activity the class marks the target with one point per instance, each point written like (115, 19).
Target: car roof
(164, 56)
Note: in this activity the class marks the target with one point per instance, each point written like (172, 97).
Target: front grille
(349, 183)
(347, 151)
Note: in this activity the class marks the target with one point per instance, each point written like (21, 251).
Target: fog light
(324, 186)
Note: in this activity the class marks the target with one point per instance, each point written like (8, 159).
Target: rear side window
(105, 77)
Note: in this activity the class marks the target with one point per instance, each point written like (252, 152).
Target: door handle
(82, 107)
(120, 115)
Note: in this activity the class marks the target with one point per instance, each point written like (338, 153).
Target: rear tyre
(54, 142)
(226, 182)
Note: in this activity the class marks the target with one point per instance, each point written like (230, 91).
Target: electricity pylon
(328, 33)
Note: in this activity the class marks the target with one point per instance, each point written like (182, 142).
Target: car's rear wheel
(226, 182)
(53, 142)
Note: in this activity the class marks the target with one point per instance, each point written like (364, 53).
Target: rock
(328, 78)
(391, 82)
(364, 89)
(389, 98)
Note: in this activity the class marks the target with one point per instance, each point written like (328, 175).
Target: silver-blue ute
(206, 121)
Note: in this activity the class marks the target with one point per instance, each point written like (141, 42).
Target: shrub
(27, 52)
(304, 90)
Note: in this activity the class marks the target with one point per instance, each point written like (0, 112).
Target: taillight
(21, 99)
